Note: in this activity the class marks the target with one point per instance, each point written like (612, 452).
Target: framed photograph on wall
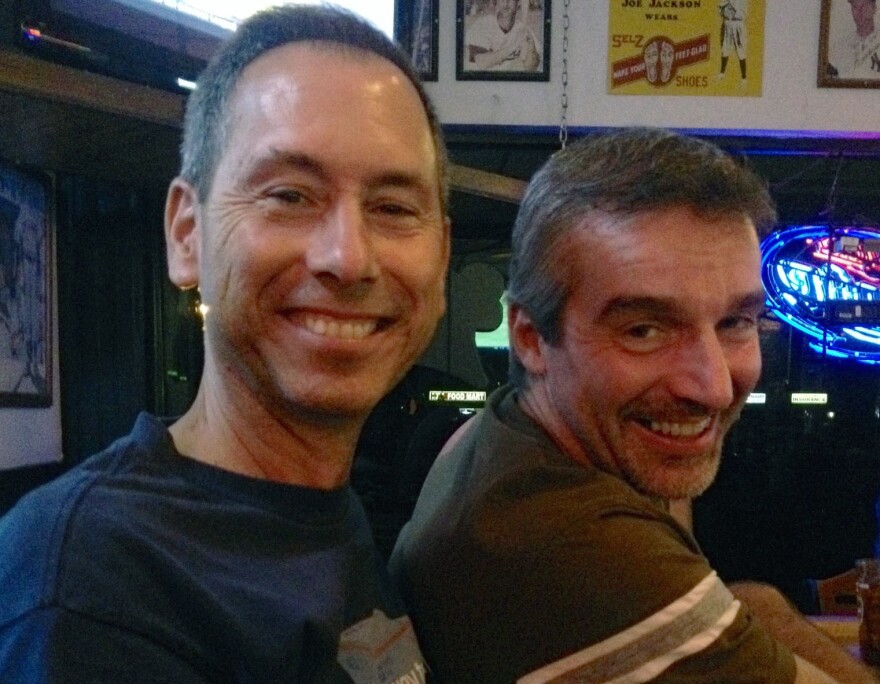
(25, 289)
(849, 44)
(416, 24)
(502, 40)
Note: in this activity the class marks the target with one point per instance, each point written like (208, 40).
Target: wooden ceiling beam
(55, 82)
(49, 81)
(486, 184)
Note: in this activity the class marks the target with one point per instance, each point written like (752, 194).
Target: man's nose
(701, 372)
(342, 246)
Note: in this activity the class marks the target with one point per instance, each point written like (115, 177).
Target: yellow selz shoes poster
(686, 47)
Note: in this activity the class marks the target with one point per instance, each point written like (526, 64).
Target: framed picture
(507, 40)
(25, 289)
(415, 27)
(849, 44)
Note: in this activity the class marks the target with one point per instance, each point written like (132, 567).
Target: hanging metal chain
(563, 120)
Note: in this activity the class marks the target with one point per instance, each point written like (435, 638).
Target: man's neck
(249, 438)
(535, 402)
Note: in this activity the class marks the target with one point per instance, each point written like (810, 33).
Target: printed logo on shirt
(381, 650)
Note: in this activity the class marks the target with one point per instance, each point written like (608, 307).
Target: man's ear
(526, 340)
(182, 234)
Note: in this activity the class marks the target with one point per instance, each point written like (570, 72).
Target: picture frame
(416, 26)
(487, 51)
(849, 45)
(26, 352)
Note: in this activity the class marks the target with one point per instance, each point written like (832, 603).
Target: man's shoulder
(58, 529)
(62, 495)
(506, 475)
(32, 538)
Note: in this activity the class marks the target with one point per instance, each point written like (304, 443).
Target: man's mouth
(348, 329)
(690, 428)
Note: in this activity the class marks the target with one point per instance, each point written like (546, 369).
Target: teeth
(346, 330)
(680, 429)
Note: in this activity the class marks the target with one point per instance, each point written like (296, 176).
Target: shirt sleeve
(643, 604)
(55, 646)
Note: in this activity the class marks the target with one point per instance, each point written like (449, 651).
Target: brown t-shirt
(521, 565)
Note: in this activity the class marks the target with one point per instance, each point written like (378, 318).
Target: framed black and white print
(503, 40)
(25, 289)
(849, 44)
(416, 24)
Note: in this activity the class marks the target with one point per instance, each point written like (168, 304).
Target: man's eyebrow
(643, 305)
(399, 179)
(670, 307)
(307, 164)
(280, 159)
(753, 301)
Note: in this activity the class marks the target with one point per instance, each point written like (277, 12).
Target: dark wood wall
(109, 257)
(108, 247)
(109, 149)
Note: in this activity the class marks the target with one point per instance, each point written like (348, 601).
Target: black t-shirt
(143, 565)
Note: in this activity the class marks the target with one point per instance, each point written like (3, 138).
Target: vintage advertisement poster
(686, 47)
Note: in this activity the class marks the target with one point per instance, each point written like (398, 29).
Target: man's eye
(644, 337)
(740, 323)
(394, 209)
(643, 331)
(288, 196)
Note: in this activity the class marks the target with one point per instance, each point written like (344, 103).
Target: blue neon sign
(827, 285)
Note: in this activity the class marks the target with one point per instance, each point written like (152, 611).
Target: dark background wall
(796, 492)
(128, 341)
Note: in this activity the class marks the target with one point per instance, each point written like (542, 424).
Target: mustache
(682, 409)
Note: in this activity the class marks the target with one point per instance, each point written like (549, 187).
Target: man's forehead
(658, 244)
(301, 56)
(297, 74)
(605, 222)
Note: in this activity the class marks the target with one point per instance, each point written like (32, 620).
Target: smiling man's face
(658, 348)
(323, 244)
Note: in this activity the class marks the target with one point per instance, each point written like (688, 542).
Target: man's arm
(807, 673)
(819, 659)
(54, 646)
(487, 59)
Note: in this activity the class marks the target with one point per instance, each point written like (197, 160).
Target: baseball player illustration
(733, 34)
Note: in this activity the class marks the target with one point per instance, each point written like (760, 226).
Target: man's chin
(671, 481)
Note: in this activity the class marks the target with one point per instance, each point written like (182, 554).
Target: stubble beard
(679, 478)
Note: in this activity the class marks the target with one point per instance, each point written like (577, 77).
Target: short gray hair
(621, 172)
